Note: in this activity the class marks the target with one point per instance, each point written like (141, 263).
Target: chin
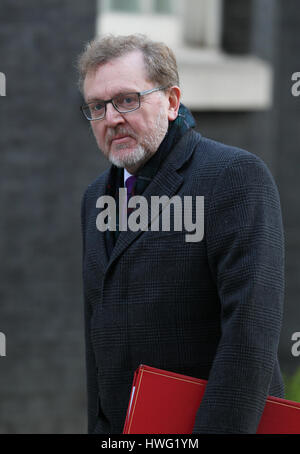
(128, 157)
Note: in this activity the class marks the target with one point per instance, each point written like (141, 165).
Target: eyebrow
(120, 92)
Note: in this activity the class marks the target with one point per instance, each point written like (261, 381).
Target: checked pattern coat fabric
(210, 309)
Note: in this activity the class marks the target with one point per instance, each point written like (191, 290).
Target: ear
(173, 95)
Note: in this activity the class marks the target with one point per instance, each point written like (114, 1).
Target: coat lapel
(166, 182)
(100, 240)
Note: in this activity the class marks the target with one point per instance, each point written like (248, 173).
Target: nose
(113, 117)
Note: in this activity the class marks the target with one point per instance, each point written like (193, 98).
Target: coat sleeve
(91, 370)
(245, 244)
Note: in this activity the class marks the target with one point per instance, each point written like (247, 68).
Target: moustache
(113, 133)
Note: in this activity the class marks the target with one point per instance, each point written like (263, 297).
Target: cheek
(134, 122)
(98, 133)
(142, 125)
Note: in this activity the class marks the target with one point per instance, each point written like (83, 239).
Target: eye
(128, 99)
(97, 106)
(124, 99)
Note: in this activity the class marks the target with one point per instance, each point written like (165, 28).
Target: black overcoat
(210, 309)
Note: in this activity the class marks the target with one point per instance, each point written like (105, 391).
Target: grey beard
(144, 151)
(138, 155)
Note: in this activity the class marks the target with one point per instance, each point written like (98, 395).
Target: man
(210, 309)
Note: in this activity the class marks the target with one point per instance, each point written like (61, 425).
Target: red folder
(163, 402)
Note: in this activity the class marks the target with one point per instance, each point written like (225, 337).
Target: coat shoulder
(213, 151)
(95, 187)
(216, 157)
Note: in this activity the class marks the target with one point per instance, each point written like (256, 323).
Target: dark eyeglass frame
(141, 93)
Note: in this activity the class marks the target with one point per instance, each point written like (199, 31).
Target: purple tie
(129, 185)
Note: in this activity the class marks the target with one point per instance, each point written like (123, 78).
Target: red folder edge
(269, 423)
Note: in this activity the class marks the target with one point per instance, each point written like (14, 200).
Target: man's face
(130, 139)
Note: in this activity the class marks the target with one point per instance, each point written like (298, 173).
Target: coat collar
(166, 182)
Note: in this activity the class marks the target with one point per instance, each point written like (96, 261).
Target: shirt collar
(126, 175)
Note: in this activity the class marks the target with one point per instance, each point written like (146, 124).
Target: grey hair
(160, 61)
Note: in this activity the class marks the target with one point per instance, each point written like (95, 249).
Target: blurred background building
(236, 60)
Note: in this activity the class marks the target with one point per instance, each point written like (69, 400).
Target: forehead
(126, 73)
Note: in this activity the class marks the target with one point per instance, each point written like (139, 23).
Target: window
(141, 6)
(172, 21)
(203, 23)
(210, 79)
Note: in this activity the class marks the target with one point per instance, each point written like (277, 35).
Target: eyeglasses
(123, 103)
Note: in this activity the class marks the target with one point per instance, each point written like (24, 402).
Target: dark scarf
(176, 130)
